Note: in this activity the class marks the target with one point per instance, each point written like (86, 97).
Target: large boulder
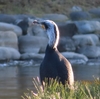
(78, 58)
(10, 27)
(7, 18)
(7, 53)
(32, 44)
(24, 23)
(10, 18)
(55, 17)
(8, 39)
(95, 12)
(73, 55)
(90, 51)
(76, 8)
(22, 16)
(86, 39)
(34, 56)
(87, 26)
(66, 44)
(67, 29)
(20, 20)
(79, 15)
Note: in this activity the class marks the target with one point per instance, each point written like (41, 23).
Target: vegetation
(37, 7)
(82, 90)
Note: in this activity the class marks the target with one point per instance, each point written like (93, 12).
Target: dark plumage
(54, 64)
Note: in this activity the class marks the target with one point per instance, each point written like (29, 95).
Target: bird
(54, 64)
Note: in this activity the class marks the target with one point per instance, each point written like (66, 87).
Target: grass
(82, 90)
(38, 7)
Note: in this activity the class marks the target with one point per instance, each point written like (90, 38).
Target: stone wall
(79, 36)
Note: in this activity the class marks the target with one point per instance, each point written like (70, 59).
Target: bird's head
(52, 31)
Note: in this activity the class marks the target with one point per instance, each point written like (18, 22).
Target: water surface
(14, 81)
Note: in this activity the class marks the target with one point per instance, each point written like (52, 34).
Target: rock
(10, 27)
(96, 19)
(66, 44)
(87, 26)
(86, 39)
(55, 17)
(77, 61)
(25, 63)
(76, 8)
(24, 24)
(7, 53)
(8, 39)
(95, 12)
(79, 15)
(32, 44)
(23, 16)
(76, 56)
(90, 51)
(7, 18)
(33, 56)
(94, 62)
(20, 20)
(67, 29)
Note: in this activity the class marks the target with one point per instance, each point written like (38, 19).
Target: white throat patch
(53, 34)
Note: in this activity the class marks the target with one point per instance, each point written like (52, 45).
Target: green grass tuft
(82, 90)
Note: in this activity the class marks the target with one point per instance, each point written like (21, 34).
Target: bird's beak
(39, 23)
(36, 22)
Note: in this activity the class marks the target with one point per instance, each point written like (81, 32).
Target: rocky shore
(22, 43)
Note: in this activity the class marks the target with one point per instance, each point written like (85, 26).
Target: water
(14, 81)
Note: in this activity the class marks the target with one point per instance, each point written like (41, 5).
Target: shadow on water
(14, 81)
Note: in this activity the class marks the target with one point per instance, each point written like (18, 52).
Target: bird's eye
(45, 25)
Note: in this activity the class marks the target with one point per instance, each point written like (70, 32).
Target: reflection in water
(8, 83)
(14, 81)
(86, 73)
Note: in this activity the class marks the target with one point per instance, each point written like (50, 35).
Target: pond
(15, 80)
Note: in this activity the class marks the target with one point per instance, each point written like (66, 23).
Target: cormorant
(54, 64)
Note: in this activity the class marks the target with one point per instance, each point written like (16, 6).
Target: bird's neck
(53, 36)
(49, 49)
